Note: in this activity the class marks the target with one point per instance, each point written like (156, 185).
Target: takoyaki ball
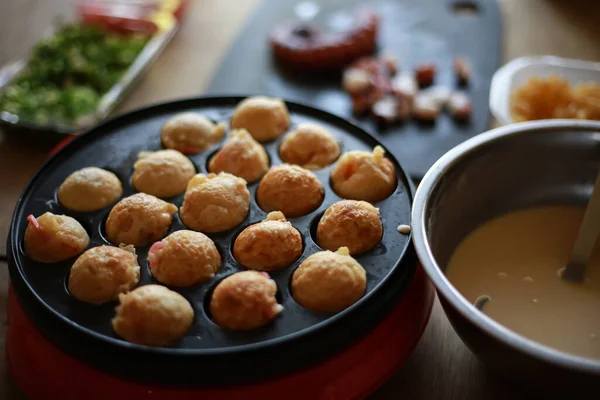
(163, 173)
(311, 146)
(153, 315)
(139, 220)
(329, 282)
(52, 238)
(102, 273)
(215, 203)
(89, 189)
(241, 156)
(245, 300)
(351, 223)
(266, 118)
(184, 258)
(291, 189)
(360, 175)
(268, 245)
(191, 133)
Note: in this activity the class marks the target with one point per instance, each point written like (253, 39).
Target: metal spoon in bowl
(586, 238)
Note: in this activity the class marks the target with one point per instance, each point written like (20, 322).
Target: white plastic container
(520, 70)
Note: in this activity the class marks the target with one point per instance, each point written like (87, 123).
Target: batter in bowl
(512, 266)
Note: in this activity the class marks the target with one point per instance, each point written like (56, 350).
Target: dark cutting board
(413, 30)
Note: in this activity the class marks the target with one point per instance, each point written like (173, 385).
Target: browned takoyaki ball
(184, 258)
(51, 238)
(89, 189)
(241, 156)
(266, 118)
(351, 223)
(269, 245)
(293, 190)
(311, 146)
(360, 175)
(191, 133)
(163, 173)
(215, 203)
(102, 273)
(328, 281)
(139, 220)
(153, 315)
(245, 300)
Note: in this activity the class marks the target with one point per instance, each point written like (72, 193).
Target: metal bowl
(508, 168)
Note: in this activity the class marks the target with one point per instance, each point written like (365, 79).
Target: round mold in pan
(208, 354)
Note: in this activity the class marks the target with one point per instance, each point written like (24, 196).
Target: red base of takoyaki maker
(42, 371)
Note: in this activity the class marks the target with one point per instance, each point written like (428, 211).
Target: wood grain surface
(441, 367)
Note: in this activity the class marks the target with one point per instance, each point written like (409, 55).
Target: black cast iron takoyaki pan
(208, 355)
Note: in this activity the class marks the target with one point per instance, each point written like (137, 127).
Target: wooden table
(441, 366)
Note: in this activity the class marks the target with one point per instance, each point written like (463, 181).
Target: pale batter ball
(139, 220)
(329, 282)
(191, 133)
(360, 175)
(245, 300)
(184, 258)
(215, 203)
(241, 156)
(293, 190)
(268, 245)
(266, 118)
(163, 173)
(89, 189)
(102, 273)
(51, 238)
(153, 315)
(311, 146)
(351, 223)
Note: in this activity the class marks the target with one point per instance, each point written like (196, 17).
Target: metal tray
(109, 101)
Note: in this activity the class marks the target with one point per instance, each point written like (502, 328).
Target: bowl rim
(437, 276)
